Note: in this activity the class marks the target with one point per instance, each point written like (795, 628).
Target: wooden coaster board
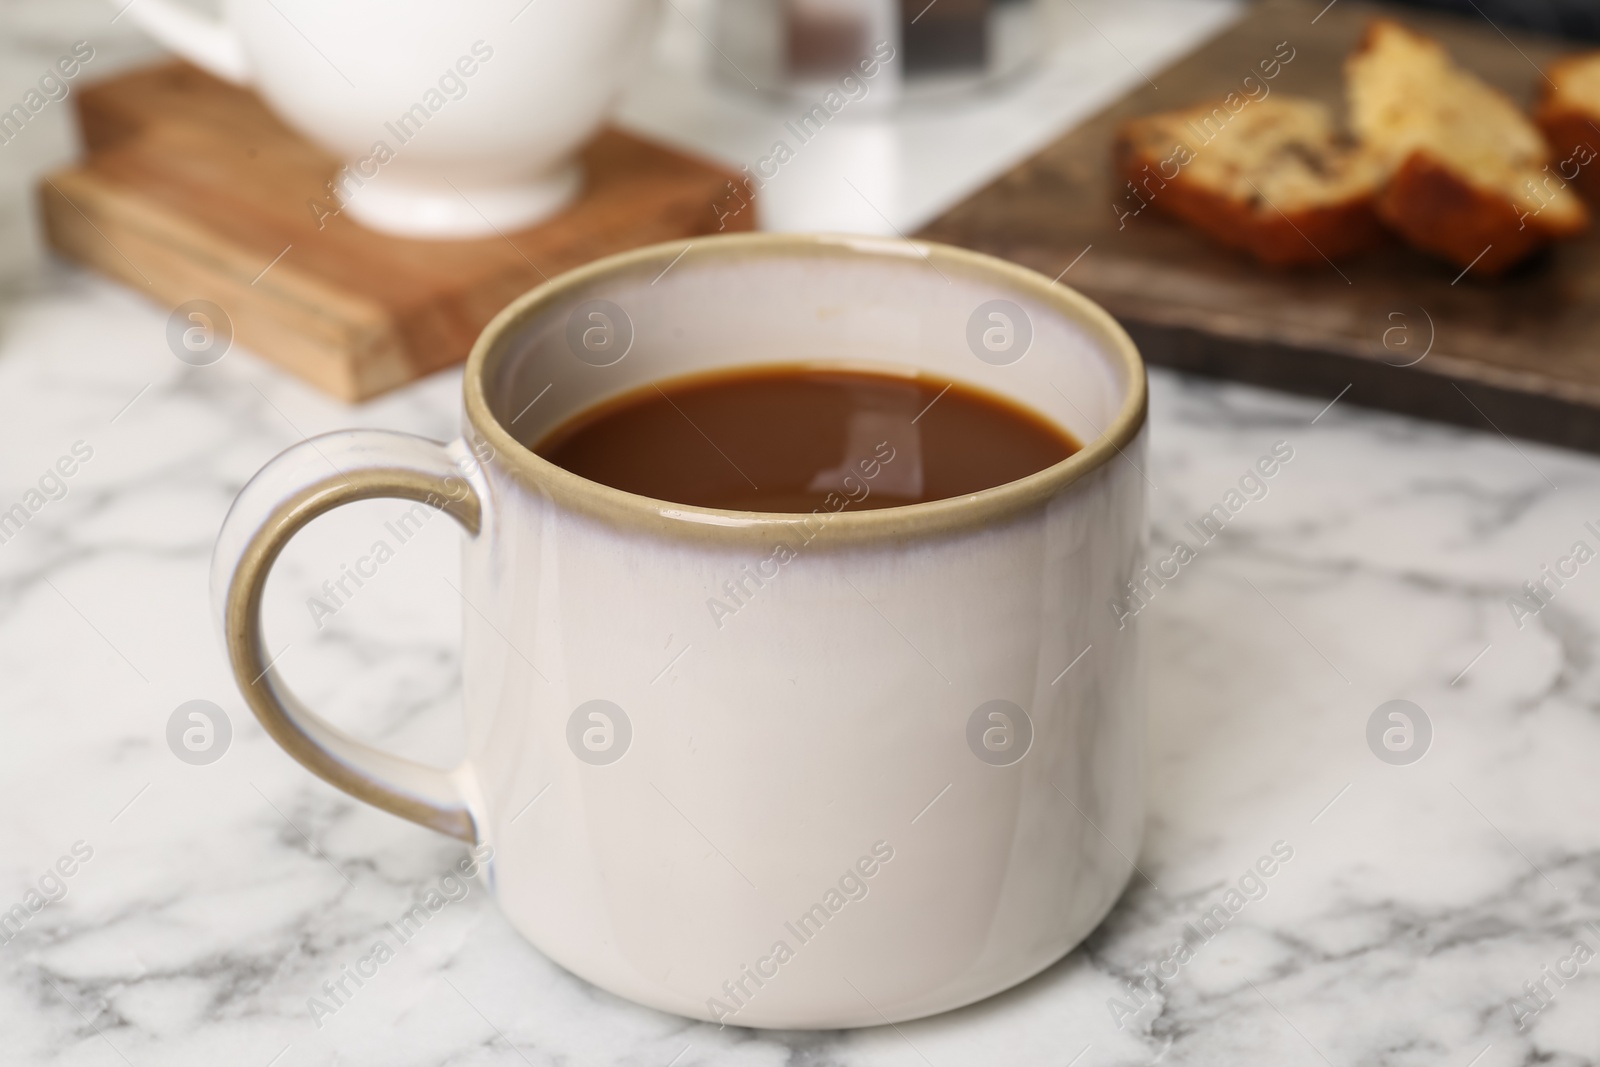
(192, 189)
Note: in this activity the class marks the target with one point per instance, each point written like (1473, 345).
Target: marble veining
(1420, 903)
(219, 899)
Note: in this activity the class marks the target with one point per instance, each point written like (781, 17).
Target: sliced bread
(1273, 177)
(1570, 118)
(1466, 170)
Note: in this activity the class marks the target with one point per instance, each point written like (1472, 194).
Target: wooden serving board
(1521, 354)
(192, 189)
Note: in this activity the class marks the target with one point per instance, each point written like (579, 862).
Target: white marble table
(215, 900)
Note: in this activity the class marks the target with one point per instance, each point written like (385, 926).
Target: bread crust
(1437, 207)
(1572, 134)
(1432, 208)
(1299, 238)
(1571, 128)
(1375, 28)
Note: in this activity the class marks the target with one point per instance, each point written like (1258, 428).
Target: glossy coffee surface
(785, 439)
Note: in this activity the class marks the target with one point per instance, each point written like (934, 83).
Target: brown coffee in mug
(782, 439)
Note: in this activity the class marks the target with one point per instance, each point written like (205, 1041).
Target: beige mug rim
(619, 508)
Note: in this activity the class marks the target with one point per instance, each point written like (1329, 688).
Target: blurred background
(980, 100)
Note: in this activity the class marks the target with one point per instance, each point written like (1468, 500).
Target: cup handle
(207, 43)
(308, 480)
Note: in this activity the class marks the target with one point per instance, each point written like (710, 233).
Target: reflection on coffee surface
(783, 439)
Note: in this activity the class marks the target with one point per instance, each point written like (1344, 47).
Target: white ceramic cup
(904, 773)
(479, 105)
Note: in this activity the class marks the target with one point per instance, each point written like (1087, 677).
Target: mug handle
(301, 483)
(207, 43)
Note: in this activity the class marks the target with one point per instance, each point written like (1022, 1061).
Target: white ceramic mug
(478, 105)
(902, 773)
